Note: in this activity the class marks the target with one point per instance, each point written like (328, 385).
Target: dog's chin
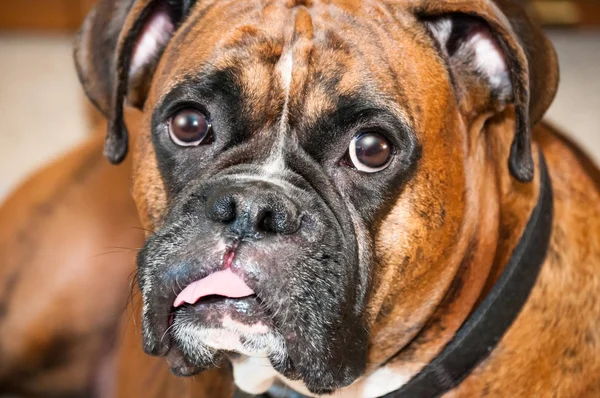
(216, 327)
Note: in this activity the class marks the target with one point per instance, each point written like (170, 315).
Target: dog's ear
(496, 46)
(116, 52)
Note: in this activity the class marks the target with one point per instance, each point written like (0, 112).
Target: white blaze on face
(285, 68)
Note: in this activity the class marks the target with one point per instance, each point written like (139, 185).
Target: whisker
(137, 249)
(110, 252)
(167, 331)
(141, 229)
(132, 284)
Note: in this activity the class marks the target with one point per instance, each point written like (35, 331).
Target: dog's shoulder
(59, 233)
(554, 345)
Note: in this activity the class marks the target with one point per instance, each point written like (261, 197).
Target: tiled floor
(42, 112)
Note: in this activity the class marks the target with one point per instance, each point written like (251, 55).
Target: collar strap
(486, 326)
(482, 331)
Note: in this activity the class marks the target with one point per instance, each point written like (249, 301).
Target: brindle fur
(451, 223)
(68, 238)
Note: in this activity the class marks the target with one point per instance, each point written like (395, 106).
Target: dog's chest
(256, 375)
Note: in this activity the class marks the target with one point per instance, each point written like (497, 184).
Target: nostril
(267, 222)
(222, 208)
(277, 221)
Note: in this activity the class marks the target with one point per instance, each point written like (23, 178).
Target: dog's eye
(189, 127)
(370, 152)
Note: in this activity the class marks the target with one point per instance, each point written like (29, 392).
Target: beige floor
(576, 108)
(41, 107)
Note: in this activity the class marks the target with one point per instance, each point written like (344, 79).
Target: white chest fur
(255, 375)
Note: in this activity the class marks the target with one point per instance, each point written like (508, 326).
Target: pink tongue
(223, 283)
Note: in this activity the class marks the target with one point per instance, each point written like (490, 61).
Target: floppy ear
(497, 53)
(116, 52)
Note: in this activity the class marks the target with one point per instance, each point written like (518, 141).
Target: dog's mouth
(221, 311)
(220, 300)
(224, 283)
(243, 304)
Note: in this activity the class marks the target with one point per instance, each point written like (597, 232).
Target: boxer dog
(350, 197)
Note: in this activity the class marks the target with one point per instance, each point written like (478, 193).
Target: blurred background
(43, 111)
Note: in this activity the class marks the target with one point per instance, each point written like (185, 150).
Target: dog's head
(307, 167)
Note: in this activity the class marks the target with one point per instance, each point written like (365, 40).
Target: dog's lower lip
(215, 298)
(211, 310)
(214, 301)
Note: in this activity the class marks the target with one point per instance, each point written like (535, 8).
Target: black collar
(486, 326)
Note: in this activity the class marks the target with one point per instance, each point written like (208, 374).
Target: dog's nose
(254, 209)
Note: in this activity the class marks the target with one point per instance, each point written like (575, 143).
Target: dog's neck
(516, 201)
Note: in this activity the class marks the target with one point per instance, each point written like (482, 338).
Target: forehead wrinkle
(382, 68)
(347, 66)
(248, 50)
(199, 38)
(298, 45)
(300, 50)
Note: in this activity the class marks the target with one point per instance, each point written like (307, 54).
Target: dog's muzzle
(257, 267)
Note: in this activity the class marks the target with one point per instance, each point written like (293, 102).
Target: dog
(348, 197)
(65, 258)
